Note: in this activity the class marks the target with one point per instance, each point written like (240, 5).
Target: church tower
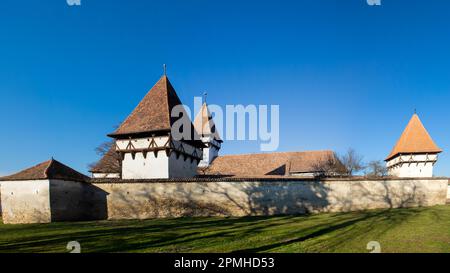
(145, 142)
(206, 129)
(415, 153)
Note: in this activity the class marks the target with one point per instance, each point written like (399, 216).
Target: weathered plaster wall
(25, 202)
(72, 201)
(174, 199)
(43, 201)
(94, 203)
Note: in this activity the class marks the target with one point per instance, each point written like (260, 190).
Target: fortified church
(144, 148)
(147, 156)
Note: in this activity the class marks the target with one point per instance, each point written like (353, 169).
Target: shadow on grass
(194, 234)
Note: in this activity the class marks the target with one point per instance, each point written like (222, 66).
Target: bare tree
(331, 166)
(376, 168)
(109, 159)
(103, 148)
(352, 161)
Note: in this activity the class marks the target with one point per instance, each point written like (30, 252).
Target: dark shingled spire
(153, 114)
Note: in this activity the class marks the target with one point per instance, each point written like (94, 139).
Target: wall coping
(254, 179)
(238, 179)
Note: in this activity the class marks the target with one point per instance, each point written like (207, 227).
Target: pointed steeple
(204, 124)
(414, 140)
(153, 113)
(205, 127)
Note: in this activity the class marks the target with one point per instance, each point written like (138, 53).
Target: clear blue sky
(345, 74)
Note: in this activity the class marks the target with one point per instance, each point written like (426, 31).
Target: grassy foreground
(397, 230)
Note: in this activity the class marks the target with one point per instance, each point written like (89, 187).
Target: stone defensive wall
(42, 201)
(141, 199)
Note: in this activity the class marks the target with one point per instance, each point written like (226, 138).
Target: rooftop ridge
(167, 82)
(50, 162)
(281, 152)
(50, 169)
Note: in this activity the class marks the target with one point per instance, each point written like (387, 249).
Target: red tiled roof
(153, 113)
(50, 169)
(280, 163)
(414, 139)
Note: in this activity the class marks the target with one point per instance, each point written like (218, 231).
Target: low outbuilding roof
(51, 169)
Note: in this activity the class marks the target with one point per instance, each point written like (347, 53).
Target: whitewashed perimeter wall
(175, 199)
(25, 202)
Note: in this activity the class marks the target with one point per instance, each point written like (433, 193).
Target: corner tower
(144, 141)
(415, 153)
(206, 129)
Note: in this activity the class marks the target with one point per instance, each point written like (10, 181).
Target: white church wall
(141, 167)
(141, 143)
(209, 153)
(144, 168)
(159, 166)
(25, 201)
(419, 165)
(413, 158)
(181, 167)
(412, 170)
(205, 158)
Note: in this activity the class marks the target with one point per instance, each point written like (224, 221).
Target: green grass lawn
(397, 230)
